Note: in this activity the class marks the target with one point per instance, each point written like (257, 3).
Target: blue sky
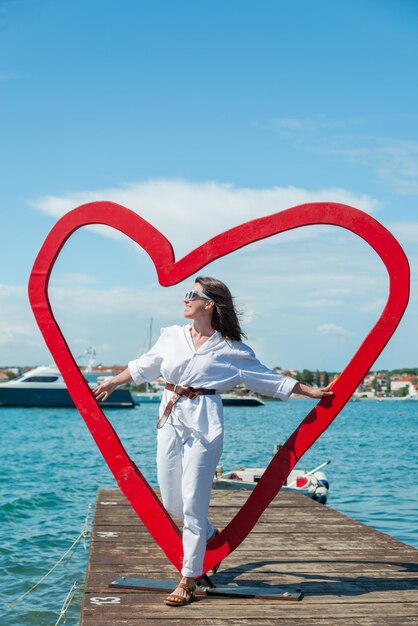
(202, 115)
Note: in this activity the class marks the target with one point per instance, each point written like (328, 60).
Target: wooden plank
(349, 573)
(243, 621)
(123, 606)
(334, 540)
(234, 498)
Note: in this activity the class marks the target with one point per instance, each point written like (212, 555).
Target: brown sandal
(181, 600)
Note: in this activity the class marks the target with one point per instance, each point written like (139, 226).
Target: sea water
(50, 470)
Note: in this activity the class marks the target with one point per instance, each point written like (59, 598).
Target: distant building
(404, 381)
(7, 373)
(105, 370)
(292, 373)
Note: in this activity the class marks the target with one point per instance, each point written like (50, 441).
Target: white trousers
(186, 466)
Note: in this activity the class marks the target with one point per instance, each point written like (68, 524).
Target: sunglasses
(196, 295)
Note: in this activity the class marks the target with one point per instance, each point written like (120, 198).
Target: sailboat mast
(150, 334)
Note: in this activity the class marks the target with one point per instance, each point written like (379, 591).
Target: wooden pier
(349, 573)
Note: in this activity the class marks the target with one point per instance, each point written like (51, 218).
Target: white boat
(233, 399)
(44, 386)
(313, 484)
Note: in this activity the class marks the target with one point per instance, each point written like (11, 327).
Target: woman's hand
(103, 391)
(320, 392)
(313, 392)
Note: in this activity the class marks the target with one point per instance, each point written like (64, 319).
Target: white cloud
(398, 165)
(335, 330)
(319, 303)
(11, 332)
(202, 209)
(393, 161)
(109, 302)
(18, 331)
(406, 232)
(73, 278)
(373, 306)
(312, 125)
(112, 320)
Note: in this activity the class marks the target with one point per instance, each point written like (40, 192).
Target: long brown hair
(225, 316)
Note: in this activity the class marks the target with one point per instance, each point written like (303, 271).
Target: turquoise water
(51, 469)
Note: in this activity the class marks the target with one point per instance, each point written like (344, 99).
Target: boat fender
(319, 497)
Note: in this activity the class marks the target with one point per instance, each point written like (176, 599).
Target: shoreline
(352, 399)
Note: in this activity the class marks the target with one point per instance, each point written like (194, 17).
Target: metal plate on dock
(234, 591)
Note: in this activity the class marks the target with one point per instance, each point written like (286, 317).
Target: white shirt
(218, 364)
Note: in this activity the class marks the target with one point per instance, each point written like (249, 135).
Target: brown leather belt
(179, 391)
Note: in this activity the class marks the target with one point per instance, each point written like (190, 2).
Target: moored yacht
(45, 387)
(233, 399)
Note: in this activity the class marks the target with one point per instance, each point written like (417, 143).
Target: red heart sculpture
(170, 272)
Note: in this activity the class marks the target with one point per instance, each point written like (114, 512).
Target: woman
(199, 361)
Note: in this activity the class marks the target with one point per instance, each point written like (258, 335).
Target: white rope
(84, 533)
(67, 602)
